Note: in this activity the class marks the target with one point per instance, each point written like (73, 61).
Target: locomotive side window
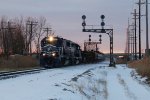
(59, 42)
(72, 45)
(78, 47)
(68, 44)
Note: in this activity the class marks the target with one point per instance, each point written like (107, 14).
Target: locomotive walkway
(80, 82)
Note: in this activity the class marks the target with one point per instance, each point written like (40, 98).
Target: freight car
(92, 56)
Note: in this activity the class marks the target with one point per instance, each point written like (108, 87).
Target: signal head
(89, 40)
(83, 17)
(83, 24)
(102, 24)
(102, 16)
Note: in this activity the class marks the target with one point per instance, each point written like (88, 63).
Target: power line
(48, 31)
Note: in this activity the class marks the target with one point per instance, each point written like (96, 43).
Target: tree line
(17, 35)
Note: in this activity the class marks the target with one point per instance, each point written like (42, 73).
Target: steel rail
(11, 74)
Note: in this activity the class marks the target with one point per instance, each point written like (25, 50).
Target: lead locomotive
(57, 52)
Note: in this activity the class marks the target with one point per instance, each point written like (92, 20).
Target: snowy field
(82, 82)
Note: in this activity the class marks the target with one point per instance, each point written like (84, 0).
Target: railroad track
(13, 74)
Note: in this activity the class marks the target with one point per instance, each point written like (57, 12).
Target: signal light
(90, 40)
(83, 17)
(102, 16)
(83, 24)
(102, 24)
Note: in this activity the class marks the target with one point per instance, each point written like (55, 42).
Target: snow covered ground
(82, 82)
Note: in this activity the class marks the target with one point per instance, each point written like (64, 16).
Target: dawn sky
(65, 17)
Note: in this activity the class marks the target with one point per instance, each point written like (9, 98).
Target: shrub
(17, 62)
(142, 66)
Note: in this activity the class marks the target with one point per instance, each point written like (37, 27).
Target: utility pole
(135, 14)
(47, 31)
(128, 38)
(147, 42)
(147, 51)
(140, 3)
(3, 35)
(131, 41)
(135, 33)
(10, 28)
(31, 24)
(132, 44)
(139, 29)
(7, 38)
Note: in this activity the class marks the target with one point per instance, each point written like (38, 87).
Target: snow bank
(82, 82)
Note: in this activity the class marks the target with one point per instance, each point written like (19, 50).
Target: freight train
(57, 51)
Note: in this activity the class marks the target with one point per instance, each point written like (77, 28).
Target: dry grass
(17, 62)
(142, 66)
(121, 61)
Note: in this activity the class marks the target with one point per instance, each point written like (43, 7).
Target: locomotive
(57, 51)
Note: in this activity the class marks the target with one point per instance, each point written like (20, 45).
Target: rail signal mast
(102, 30)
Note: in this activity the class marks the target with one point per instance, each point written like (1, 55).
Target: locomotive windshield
(49, 48)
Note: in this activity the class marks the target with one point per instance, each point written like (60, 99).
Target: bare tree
(17, 35)
(4, 34)
(18, 42)
(1, 40)
(11, 34)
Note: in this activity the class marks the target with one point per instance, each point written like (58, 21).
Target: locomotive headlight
(44, 54)
(51, 38)
(53, 54)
